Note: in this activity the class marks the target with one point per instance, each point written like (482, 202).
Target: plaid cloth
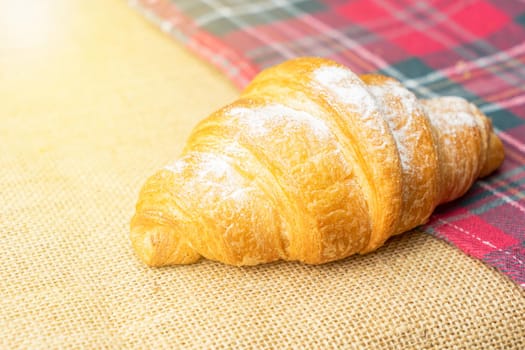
(474, 49)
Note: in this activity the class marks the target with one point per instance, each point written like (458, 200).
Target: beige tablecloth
(93, 100)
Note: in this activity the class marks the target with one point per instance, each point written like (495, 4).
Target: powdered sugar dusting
(450, 114)
(408, 99)
(208, 164)
(346, 87)
(213, 164)
(403, 132)
(211, 172)
(176, 167)
(262, 121)
(462, 134)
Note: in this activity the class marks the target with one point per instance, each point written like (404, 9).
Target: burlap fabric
(85, 119)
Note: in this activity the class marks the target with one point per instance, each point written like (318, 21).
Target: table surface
(94, 99)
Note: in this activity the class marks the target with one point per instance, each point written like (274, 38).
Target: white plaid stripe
(318, 45)
(388, 25)
(248, 29)
(511, 140)
(481, 62)
(434, 16)
(483, 241)
(504, 184)
(505, 104)
(506, 198)
(228, 12)
(415, 23)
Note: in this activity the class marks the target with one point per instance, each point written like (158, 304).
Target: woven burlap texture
(84, 124)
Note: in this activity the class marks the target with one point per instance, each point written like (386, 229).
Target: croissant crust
(312, 163)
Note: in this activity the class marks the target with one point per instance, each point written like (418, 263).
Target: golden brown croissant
(311, 163)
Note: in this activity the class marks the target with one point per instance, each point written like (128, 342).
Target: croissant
(312, 163)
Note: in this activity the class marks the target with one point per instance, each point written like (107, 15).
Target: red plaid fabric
(474, 49)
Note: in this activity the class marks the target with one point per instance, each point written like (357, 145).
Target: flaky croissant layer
(312, 163)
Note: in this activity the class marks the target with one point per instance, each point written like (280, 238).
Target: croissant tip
(156, 244)
(141, 240)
